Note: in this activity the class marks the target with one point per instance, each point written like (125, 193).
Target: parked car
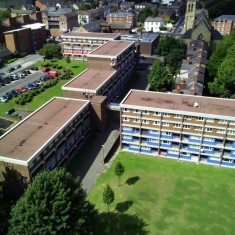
(9, 96)
(14, 93)
(53, 73)
(26, 72)
(21, 89)
(38, 82)
(3, 99)
(18, 66)
(45, 77)
(10, 70)
(34, 68)
(14, 77)
(20, 75)
(7, 80)
(31, 85)
(11, 112)
(46, 69)
(2, 83)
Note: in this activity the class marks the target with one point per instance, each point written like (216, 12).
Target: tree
(219, 54)
(50, 51)
(108, 196)
(144, 14)
(68, 60)
(4, 14)
(119, 170)
(55, 203)
(160, 78)
(12, 188)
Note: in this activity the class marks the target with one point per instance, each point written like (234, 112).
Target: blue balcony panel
(211, 143)
(127, 139)
(128, 131)
(225, 163)
(212, 160)
(182, 156)
(166, 145)
(193, 140)
(152, 143)
(146, 151)
(195, 150)
(175, 155)
(169, 137)
(135, 149)
(208, 151)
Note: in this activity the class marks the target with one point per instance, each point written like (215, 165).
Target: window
(194, 146)
(127, 137)
(157, 114)
(166, 115)
(195, 137)
(125, 119)
(145, 147)
(166, 133)
(153, 140)
(222, 131)
(154, 132)
(231, 132)
(136, 111)
(208, 139)
(125, 110)
(165, 124)
(198, 128)
(186, 126)
(210, 119)
(200, 118)
(145, 121)
(207, 148)
(145, 112)
(165, 142)
(232, 122)
(177, 116)
(127, 128)
(208, 129)
(187, 117)
(137, 120)
(156, 123)
(223, 121)
(176, 125)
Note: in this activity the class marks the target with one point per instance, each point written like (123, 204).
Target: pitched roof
(225, 18)
(154, 19)
(120, 26)
(203, 17)
(93, 26)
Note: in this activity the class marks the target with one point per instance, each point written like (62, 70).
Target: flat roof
(90, 80)
(179, 102)
(110, 49)
(33, 26)
(91, 35)
(31, 134)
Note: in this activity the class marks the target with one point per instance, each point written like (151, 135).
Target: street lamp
(102, 160)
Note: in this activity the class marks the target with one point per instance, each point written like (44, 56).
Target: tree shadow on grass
(132, 180)
(123, 206)
(75, 66)
(120, 224)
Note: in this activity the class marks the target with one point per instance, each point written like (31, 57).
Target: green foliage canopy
(119, 170)
(146, 12)
(159, 78)
(4, 14)
(50, 50)
(108, 196)
(54, 204)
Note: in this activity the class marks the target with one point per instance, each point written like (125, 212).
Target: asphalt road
(25, 62)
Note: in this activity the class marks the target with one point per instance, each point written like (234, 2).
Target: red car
(21, 89)
(46, 69)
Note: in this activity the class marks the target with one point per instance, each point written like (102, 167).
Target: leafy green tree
(55, 203)
(119, 170)
(4, 14)
(219, 54)
(224, 84)
(218, 7)
(68, 60)
(50, 50)
(108, 196)
(144, 14)
(174, 59)
(12, 188)
(160, 78)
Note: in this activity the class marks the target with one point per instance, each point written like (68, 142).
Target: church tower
(189, 15)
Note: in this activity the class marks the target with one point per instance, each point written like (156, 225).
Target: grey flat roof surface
(179, 102)
(23, 141)
(111, 48)
(90, 79)
(91, 35)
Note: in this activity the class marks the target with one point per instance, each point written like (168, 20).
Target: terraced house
(189, 128)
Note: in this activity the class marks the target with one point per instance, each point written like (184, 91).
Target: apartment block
(182, 127)
(121, 18)
(48, 138)
(224, 24)
(79, 45)
(110, 67)
(27, 39)
(190, 80)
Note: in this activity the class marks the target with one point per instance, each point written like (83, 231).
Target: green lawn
(76, 66)
(162, 196)
(40, 99)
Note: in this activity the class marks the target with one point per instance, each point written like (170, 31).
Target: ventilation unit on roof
(196, 105)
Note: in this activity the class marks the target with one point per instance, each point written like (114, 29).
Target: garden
(163, 196)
